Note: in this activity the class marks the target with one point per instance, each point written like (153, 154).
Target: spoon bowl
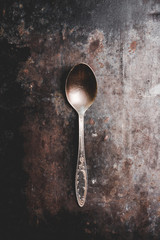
(81, 90)
(81, 87)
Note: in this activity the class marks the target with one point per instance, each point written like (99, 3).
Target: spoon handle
(81, 170)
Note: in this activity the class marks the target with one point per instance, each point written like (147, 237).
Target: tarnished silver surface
(81, 90)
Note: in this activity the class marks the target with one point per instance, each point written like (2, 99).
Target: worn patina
(40, 42)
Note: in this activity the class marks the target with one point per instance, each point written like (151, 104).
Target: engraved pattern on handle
(81, 171)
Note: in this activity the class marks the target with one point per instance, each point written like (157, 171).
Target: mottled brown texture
(111, 150)
(133, 46)
(41, 41)
(94, 45)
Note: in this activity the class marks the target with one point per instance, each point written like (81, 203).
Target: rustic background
(39, 42)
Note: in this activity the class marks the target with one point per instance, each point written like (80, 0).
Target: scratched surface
(39, 42)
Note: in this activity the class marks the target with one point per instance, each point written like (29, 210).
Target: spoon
(81, 90)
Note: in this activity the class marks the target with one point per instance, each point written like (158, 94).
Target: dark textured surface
(39, 42)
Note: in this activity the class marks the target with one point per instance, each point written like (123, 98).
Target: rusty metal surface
(40, 42)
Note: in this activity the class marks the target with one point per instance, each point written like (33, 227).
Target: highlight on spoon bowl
(81, 90)
(81, 87)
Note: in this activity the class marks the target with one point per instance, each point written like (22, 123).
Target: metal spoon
(81, 90)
